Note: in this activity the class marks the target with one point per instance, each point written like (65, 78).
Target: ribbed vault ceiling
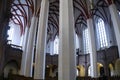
(23, 10)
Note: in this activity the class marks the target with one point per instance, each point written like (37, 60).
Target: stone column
(116, 23)
(30, 47)
(24, 46)
(67, 61)
(41, 41)
(93, 56)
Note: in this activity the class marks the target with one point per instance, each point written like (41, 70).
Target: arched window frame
(101, 34)
(86, 41)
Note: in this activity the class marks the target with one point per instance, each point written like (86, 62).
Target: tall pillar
(116, 23)
(30, 47)
(24, 45)
(39, 72)
(67, 61)
(93, 56)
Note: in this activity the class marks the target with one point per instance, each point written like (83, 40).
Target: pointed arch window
(101, 33)
(86, 40)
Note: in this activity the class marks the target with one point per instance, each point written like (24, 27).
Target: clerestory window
(101, 33)
(86, 40)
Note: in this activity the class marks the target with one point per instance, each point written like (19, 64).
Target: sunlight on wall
(99, 65)
(111, 69)
(81, 71)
